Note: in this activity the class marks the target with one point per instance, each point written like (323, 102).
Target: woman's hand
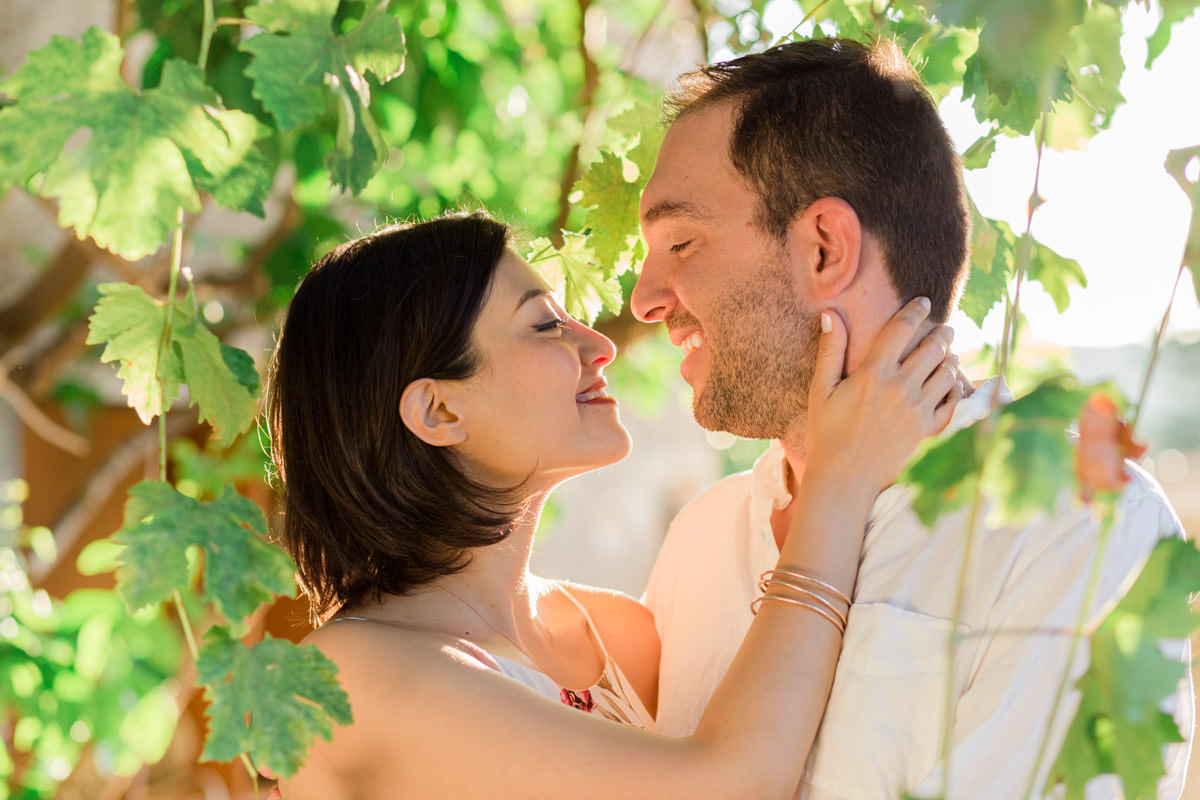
(865, 427)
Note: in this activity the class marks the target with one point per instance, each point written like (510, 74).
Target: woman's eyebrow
(531, 294)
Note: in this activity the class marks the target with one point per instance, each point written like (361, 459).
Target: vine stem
(1012, 310)
(1154, 350)
(206, 34)
(790, 34)
(960, 599)
(1011, 315)
(249, 765)
(187, 625)
(165, 342)
(1076, 635)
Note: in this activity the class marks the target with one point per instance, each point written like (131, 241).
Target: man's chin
(730, 415)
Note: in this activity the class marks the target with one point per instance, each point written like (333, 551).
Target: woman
(428, 392)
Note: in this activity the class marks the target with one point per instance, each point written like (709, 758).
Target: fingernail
(950, 335)
(961, 389)
(925, 302)
(826, 322)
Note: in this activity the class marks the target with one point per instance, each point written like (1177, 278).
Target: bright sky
(1110, 207)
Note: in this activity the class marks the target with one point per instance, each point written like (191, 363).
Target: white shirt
(882, 730)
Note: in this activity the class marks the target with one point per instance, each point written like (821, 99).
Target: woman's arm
(433, 722)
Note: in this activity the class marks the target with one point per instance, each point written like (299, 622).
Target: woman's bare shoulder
(628, 632)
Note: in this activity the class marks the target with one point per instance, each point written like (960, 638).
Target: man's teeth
(594, 394)
(692, 343)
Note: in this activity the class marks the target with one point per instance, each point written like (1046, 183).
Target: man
(818, 175)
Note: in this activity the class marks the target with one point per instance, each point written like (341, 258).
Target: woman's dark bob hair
(369, 508)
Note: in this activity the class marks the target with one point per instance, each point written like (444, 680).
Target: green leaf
(943, 474)
(241, 571)
(1176, 166)
(270, 700)
(135, 159)
(992, 251)
(130, 323)
(587, 287)
(980, 152)
(300, 64)
(612, 211)
(1033, 460)
(227, 398)
(1095, 68)
(1118, 727)
(1018, 457)
(1055, 273)
(222, 380)
(1173, 11)
(1013, 102)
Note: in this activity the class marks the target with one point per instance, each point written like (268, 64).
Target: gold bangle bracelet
(758, 601)
(806, 592)
(836, 592)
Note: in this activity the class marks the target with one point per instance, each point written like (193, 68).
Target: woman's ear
(425, 411)
(826, 240)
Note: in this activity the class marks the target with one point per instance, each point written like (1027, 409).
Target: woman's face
(537, 408)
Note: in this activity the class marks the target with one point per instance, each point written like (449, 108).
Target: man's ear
(826, 240)
(425, 410)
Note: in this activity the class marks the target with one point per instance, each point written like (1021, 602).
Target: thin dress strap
(614, 695)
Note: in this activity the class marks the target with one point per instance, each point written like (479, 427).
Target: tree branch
(106, 479)
(587, 100)
(42, 426)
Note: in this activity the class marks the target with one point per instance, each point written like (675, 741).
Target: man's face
(723, 286)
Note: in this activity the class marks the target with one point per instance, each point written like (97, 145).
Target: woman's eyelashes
(557, 323)
(679, 248)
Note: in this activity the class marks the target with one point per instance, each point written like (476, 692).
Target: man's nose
(651, 299)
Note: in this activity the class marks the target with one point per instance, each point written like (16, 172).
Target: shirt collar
(768, 477)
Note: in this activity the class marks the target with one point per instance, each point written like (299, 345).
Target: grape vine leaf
(1095, 68)
(980, 152)
(991, 266)
(1018, 456)
(1055, 273)
(1176, 165)
(587, 287)
(1173, 11)
(222, 380)
(611, 188)
(270, 700)
(121, 163)
(300, 63)
(130, 324)
(1118, 727)
(241, 570)
(612, 211)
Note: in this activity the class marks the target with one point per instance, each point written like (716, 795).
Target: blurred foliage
(79, 676)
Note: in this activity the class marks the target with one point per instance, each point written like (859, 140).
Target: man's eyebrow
(673, 208)
(531, 294)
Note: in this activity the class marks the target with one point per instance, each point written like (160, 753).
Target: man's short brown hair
(839, 118)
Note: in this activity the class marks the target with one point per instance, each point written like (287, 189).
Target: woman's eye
(678, 248)
(554, 324)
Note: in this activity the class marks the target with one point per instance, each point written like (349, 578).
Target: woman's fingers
(940, 383)
(897, 334)
(831, 359)
(926, 358)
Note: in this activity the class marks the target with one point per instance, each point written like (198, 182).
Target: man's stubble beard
(763, 352)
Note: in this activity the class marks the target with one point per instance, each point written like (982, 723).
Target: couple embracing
(808, 236)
